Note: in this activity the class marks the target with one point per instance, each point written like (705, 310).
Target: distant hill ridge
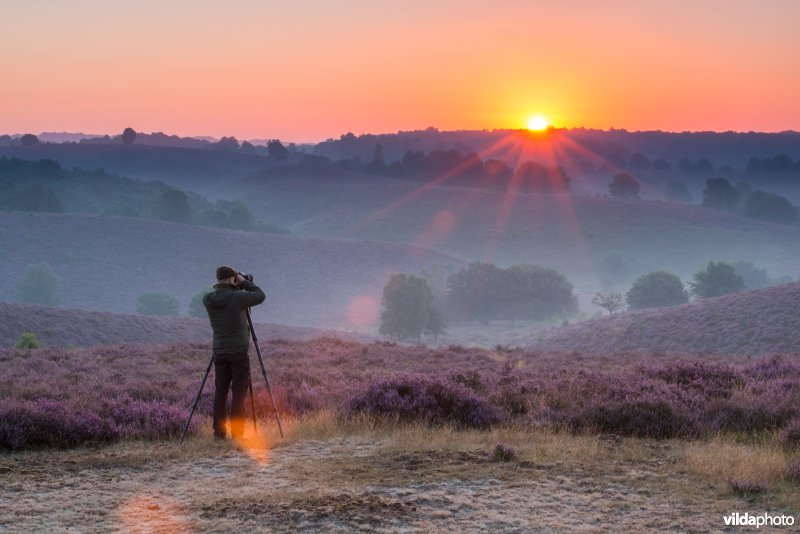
(80, 328)
(751, 322)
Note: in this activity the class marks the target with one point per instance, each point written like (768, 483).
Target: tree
(720, 194)
(717, 279)
(474, 293)
(770, 207)
(29, 140)
(29, 341)
(157, 303)
(754, 277)
(535, 292)
(407, 305)
(744, 189)
(638, 162)
(703, 165)
(436, 324)
(624, 186)
(196, 307)
(38, 285)
(172, 205)
(534, 177)
(656, 290)
(128, 136)
(276, 151)
(612, 302)
(676, 191)
(227, 144)
(661, 164)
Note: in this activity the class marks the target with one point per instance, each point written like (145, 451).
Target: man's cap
(225, 271)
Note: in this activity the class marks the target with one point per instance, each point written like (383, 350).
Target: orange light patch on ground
(154, 513)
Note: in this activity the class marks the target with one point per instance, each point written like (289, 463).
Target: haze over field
(528, 266)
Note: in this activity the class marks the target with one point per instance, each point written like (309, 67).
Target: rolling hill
(576, 234)
(80, 328)
(104, 263)
(751, 322)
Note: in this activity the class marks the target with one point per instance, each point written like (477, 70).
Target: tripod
(252, 401)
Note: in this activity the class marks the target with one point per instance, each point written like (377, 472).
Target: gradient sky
(305, 71)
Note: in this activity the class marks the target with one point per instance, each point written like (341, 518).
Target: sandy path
(343, 485)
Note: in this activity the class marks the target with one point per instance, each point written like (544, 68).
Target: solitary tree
(128, 136)
(717, 279)
(624, 186)
(157, 303)
(656, 290)
(407, 305)
(38, 285)
(612, 302)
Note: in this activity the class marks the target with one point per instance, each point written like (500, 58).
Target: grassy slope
(573, 233)
(104, 263)
(752, 322)
(66, 327)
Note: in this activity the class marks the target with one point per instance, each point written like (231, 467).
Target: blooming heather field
(59, 397)
(751, 322)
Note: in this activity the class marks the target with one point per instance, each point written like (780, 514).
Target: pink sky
(306, 71)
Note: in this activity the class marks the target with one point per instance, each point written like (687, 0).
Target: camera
(248, 277)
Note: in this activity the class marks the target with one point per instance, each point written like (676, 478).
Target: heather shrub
(28, 340)
(746, 487)
(49, 423)
(644, 418)
(741, 413)
(153, 419)
(793, 471)
(789, 437)
(503, 453)
(421, 399)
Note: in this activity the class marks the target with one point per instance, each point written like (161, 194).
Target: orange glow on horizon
(214, 68)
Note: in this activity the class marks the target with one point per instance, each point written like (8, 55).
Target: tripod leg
(252, 403)
(264, 371)
(197, 398)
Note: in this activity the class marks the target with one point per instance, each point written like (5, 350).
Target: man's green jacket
(226, 307)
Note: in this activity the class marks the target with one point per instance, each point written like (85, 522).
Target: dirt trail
(343, 485)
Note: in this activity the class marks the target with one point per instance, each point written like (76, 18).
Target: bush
(421, 399)
(720, 194)
(38, 285)
(49, 423)
(503, 453)
(656, 290)
(644, 418)
(28, 340)
(624, 186)
(157, 304)
(717, 279)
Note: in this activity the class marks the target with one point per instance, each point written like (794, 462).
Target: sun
(537, 123)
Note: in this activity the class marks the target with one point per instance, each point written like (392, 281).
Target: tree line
(482, 292)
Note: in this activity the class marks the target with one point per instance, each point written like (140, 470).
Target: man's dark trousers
(232, 371)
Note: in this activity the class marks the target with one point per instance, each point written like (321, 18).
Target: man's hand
(238, 280)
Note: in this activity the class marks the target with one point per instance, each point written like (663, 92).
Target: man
(227, 310)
